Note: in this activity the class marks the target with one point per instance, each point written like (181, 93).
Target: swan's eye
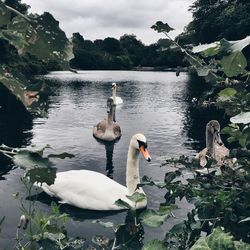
(141, 143)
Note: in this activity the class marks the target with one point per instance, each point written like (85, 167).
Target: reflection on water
(109, 148)
(155, 103)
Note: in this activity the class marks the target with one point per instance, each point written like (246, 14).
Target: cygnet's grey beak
(218, 139)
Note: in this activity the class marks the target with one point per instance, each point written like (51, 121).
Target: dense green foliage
(221, 195)
(29, 45)
(216, 19)
(125, 53)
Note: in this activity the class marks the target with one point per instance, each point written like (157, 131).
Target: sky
(98, 19)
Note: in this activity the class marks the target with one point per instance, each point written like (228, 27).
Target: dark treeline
(217, 19)
(126, 53)
(212, 21)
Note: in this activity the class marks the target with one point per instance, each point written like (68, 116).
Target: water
(156, 104)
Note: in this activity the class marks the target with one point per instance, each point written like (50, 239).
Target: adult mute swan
(117, 100)
(92, 190)
(108, 130)
(214, 145)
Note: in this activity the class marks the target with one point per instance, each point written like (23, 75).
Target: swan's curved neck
(210, 138)
(110, 120)
(132, 175)
(114, 95)
(111, 114)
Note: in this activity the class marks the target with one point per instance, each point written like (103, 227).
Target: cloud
(97, 19)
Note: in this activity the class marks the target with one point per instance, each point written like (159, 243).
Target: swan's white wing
(118, 100)
(87, 189)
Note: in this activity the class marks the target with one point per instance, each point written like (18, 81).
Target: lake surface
(156, 104)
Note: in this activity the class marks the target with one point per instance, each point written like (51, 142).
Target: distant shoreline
(182, 69)
(162, 69)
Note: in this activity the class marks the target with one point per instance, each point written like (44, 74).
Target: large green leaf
(52, 43)
(240, 44)
(16, 83)
(159, 26)
(226, 94)
(137, 197)
(152, 218)
(29, 160)
(42, 175)
(154, 245)
(243, 117)
(201, 244)
(5, 14)
(198, 64)
(108, 224)
(214, 48)
(41, 37)
(203, 71)
(207, 48)
(219, 240)
(233, 64)
(122, 204)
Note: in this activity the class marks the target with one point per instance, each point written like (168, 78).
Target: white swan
(108, 129)
(214, 145)
(117, 100)
(92, 190)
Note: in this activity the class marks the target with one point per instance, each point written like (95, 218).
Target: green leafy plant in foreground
(223, 65)
(38, 229)
(30, 38)
(218, 239)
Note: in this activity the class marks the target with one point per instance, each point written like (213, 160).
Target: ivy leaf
(243, 117)
(201, 244)
(136, 197)
(220, 240)
(154, 245)
(203, 71)
(227, 94)
(159, 26)
(148, 181)
(27, 160)
(42, 175)
(152, 218)
(233, 64)
(122, 204)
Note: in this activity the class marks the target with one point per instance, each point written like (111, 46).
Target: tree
(217, 19)
(17, 5)
(111, 45)
(133, 47)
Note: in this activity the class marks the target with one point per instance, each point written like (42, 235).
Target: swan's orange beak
(145, 153)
